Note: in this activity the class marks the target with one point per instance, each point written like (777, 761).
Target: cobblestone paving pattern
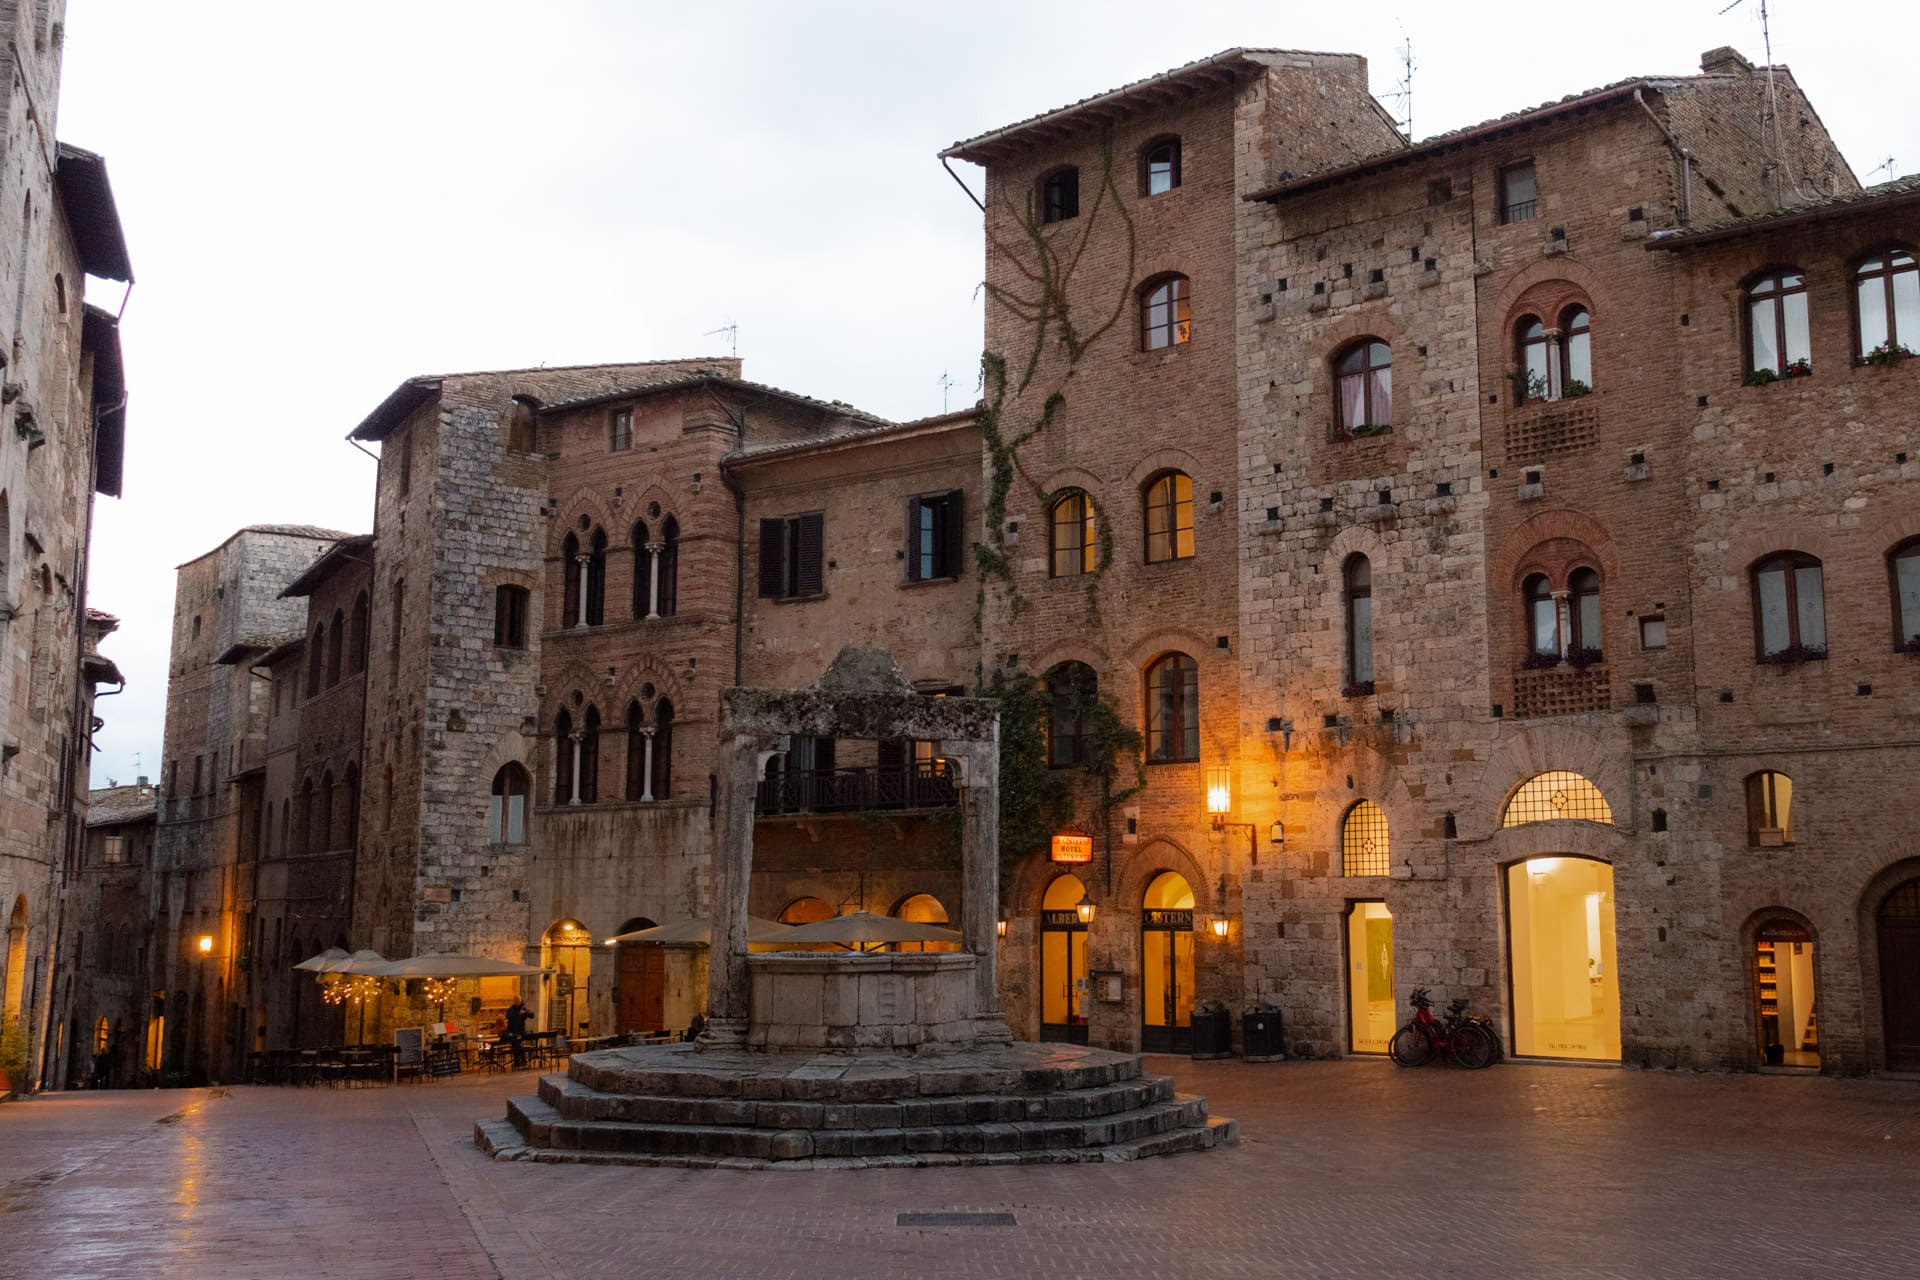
(1345, 1169)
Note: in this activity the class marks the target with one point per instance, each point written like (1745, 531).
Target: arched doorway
(806, 911)
(13, 993)
(1370, 1004)
(1899, 929)
(923, 908)
(640, 983)
(1566, 989)
(567, 949)
(1063, 963)
(1783, 986)
(1166, 965)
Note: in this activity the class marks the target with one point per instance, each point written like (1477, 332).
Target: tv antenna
(946, 386)
(732, 331)
(1402, 96)
(1886, 165)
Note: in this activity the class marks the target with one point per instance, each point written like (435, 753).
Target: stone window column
(1562, 618)
(653, 580)
(646, 765)
(577, 737)
(583, 559)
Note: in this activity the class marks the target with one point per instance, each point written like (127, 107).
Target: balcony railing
(914, 786)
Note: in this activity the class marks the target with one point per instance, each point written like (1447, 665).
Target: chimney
(141, 781)
(1725, 61)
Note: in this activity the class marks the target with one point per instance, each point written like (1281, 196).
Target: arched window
(1583, 612)
(565, 757)
(590, 757)
(1364, 848)
(357, 643)
(306, 815)
(1071, 520)
(507, 807)
(1358, 576)
(667, 597)
(1165, 317)
(1789, 608)
(336, 646)
(596, 604)
(286, 826)
(1173, 709)
(1363, 387)
(386, 799)
(662, 749)
(1903, 573)
(1556, 794)
(805, 911)
(323, 819)
(1071, 687)
(923, 908)
(1160, 166)
(1576, 352)
(636, 751)
(1169, 517)
(316, 659)
(642, 568)
(1060, 195)
(570, 581)
(1769, 808)
(1777, 334)
(1543, 618)
(1537, 362)
(352, 840)
(1888, 296)
(399, 615)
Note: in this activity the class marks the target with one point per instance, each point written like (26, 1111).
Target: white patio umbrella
(701, 931)
(361, 961)
(456, 966)
(319, 963)
(863, 929)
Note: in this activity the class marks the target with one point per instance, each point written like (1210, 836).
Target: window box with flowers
(1582, 657)
(1794, 654)
(1886, 354)
(1541, 662)
(1801, 368)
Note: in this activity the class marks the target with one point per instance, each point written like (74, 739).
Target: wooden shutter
(913, 540)
(808, 577)
(953, 533)
(772, 545)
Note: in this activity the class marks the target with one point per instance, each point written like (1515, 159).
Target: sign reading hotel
(1073, 848)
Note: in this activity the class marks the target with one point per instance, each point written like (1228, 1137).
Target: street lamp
(1219, 794)
(206, 944)
(1220, 926)
(1084, 909)
(1000, 928)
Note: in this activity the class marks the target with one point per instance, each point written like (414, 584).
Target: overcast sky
(322, 200)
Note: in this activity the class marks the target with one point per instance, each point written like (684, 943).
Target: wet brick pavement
(1345, 1169)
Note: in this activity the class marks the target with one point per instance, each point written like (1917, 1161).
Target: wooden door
(1900, 991)
(642, 984)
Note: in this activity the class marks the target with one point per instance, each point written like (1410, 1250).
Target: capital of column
(655, 548)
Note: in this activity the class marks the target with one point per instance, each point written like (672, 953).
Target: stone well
(863, 1003)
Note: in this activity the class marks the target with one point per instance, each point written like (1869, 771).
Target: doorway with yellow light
(1787, 1021)
(1166, 965)
(1560, 933)
(1370, 1006)
(1063, 963)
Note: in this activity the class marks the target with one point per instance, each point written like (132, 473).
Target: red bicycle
(1465, 1040)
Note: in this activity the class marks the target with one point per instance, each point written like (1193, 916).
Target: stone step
(499, 1139)
(542, 1127)
(1215, 1132)
(577, 1102)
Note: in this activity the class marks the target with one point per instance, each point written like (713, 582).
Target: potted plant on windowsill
(1887, 353)
(1575, 389)
(1794, 654)
(1801, 368)
(1541, 662)
(1580, 658)
(1912, 646)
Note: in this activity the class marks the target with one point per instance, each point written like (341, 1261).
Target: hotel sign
(1067, 848)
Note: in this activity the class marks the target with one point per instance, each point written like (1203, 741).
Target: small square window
(1653, 633)
(1519, 193)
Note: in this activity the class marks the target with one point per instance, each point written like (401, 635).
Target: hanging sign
(1071, 848)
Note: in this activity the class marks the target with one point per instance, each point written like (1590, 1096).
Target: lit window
(1165, 319)
(1169, 512)
(1888, 291)
(1769, 808)
(1777, 335)
(1789, 608)
(1519, 193)
(1364, 849)
(1553, 795)
(1363, 388)
(1071, 520)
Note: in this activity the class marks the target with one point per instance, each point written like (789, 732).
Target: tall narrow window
(640, 539)
(1769, 808)
(935, 536)
(357, 643)
(522, 429)
(1060, 195)
(1903, 572)
(1576, 352)
(507, 807)
(1519, 193)
(323, 822)
(351, 836)
(1070, 519)
(620, 430)
(1165, 314)
(1169, 517)
(1789, 607)
(316, 659)
(1543, 618)
(1359, 584)
(1173, 709)
(510, 617)
(1537, 365)
(1160, 166)
(596, 584)
(399, 614)
(565, 751)
(667, 598)
(570, 581)
(1071, 687)
(662, 749)
(791, 551)
(1889, 302)
(1777, 335)
(306, 844)
(590, 757)
(636, 751)
(1583, 610)
(336, 645)
(404, 443)
(1363, 387)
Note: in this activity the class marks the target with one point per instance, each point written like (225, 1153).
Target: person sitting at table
(516, 1031)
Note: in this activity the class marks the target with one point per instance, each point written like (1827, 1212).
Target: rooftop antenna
(1886, 165)
(1402, 96)
(732, 331)
(1770, 120)
(946, 386)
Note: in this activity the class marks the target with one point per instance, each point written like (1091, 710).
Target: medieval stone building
(1486, 564)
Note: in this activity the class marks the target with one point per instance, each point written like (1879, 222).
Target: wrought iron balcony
(914, 786)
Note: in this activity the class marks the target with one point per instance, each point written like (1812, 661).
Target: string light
(438, 990)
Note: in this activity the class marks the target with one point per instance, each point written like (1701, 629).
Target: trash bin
(1212, 1031)
(1262, 1036)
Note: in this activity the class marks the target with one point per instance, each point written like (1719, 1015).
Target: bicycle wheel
(1409, 1047)
(1499, 1047)
(1471, 1045)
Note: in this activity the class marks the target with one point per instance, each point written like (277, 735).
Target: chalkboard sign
(409, 1049)
(442, 1061)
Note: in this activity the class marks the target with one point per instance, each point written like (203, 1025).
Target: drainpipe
(1686, 158)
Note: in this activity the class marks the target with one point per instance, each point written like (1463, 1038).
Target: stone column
(729, 984)
(646, 764)
(980, 871)
(1562, 618)
(585, 561)
(653, 577)
(576, 737)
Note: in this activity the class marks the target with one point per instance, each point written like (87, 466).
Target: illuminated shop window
(1566, 994)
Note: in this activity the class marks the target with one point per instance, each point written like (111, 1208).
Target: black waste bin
(1212, 1031)
(1262, 1038)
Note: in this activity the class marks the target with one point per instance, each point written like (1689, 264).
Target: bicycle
(1465, 1040)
